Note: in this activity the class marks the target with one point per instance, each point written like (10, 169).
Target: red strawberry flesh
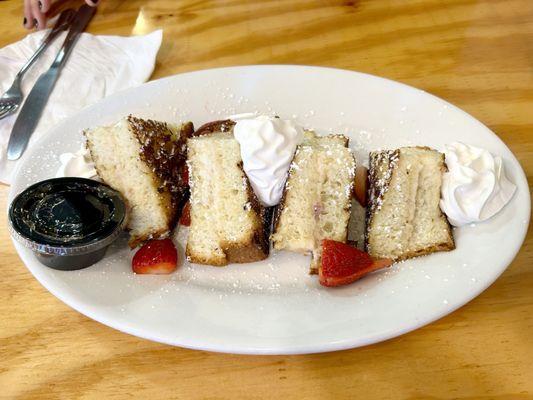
(343, 264)
(185, 218)
(155, 257)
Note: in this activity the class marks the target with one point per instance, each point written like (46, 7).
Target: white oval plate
(275, 307)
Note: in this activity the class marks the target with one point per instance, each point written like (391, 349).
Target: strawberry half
(155, 257)
(343, 264)
(185, 218)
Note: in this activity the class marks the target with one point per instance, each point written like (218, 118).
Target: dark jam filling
(67, 212)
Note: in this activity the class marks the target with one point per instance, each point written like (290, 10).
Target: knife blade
(32, 109)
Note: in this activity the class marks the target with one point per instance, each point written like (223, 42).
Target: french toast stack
(144, 160)
(316, 201)
(404, 219)
(228, 224)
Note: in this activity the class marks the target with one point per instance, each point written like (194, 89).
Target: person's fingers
(56, 6)
(37, 11)
(44, 5)
(28, 16)
(39, 19)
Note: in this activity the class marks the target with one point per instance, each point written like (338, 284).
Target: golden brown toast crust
(259, 246)
(377, 188)
(223, 125)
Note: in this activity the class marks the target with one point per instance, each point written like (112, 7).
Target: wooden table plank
(475, 54)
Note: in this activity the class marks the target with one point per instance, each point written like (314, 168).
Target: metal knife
(31, 111)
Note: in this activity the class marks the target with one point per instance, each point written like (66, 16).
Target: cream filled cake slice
(143, 160)
(404, 218)
(228, 223)
(316, 202)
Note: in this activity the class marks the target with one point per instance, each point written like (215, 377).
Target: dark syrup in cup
(67, 222)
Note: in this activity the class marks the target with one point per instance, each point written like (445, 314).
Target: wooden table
(475, 54)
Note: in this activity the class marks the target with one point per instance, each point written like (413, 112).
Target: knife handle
(61, 24)
(80, 21)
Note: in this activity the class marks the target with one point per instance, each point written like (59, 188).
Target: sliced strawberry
(155, 257)
(185, 174)
(361, 185)
(185, 218)
(343, 264)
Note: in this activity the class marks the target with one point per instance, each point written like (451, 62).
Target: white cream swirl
(267, 147)
(475, 187)
(77, 164)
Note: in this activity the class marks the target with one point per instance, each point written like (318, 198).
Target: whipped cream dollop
(267, 147)
(77, 164)
(475, 187)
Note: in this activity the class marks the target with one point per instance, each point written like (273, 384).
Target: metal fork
(12, 99)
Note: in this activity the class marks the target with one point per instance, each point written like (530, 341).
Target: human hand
(36, 12)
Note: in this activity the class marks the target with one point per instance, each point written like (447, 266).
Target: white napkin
(97, 67)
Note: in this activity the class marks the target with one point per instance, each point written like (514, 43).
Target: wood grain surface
(475, 54)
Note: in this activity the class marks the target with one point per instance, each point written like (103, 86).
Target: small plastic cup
(68, 223)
